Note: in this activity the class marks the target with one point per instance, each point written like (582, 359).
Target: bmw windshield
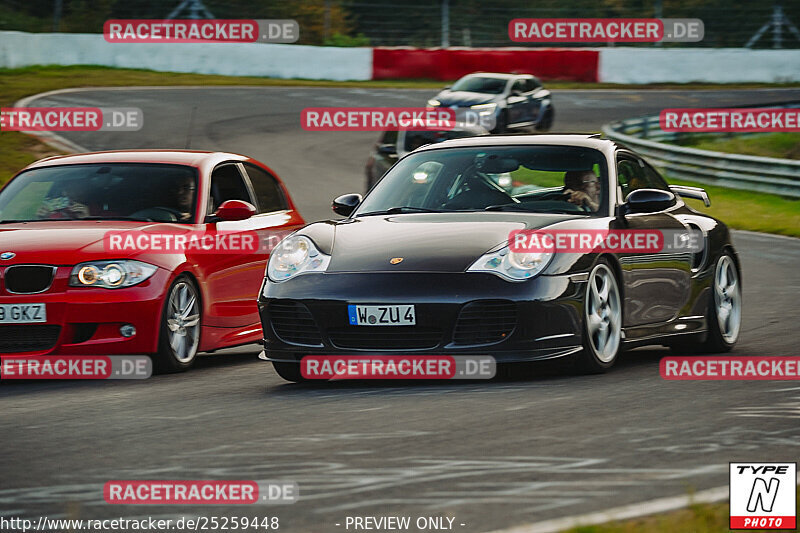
(541, 179)
(108, 191)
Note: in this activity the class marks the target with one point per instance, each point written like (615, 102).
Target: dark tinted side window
(519, 86)
(227, 184)
(654, 178)
(268, 192)
(633, 174)
(531, 84)
(388, 137)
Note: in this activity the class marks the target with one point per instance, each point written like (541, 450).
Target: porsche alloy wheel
(727, 299)
(602, 321)
(724, 315)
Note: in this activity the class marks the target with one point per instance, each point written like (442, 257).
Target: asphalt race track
(491, 454)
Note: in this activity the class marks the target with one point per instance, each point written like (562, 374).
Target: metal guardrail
(750, 173)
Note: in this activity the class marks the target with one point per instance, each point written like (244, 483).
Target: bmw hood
(425, 242)
(66, 242)
(464, 98)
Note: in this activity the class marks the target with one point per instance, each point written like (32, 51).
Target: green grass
(780, 145)
(698, 518)
(739, 209)
(540, 178)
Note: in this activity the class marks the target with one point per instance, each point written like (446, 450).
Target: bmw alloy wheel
(183, 322)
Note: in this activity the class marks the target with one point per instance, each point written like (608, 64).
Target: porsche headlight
(110, 274)
(434, 102)
(295, 255)
(512, 266)
(484, 109)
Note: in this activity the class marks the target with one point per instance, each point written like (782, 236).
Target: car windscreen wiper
(112, 218)
(401, 209)
(503, 207)
(528, 209)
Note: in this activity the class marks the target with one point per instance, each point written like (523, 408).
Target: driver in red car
(583, 188)
(184, 196)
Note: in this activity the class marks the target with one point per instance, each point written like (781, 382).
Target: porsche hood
(417, 242)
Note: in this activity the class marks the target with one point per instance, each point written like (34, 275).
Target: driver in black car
(583, 188)
(184, 196)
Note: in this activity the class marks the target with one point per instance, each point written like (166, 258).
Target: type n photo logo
(763, 495)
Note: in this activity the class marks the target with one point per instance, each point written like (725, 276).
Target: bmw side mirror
(648, 201)
(344, 205)
(232, 210)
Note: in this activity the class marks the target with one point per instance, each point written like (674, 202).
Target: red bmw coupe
(91, 264)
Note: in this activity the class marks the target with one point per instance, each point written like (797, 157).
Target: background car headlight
(484, 109)
(295, 255)
(434, 103)
(110, 274)
(512, 266)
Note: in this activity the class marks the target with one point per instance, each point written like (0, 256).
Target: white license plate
(382, 315)
(22, 313)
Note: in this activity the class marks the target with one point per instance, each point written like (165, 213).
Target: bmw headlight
(485, 109)
(110, 274)
(512, 266)
(434, 102)
(295, 255)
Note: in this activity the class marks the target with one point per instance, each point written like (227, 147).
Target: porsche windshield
(541, 179)
(112, 191)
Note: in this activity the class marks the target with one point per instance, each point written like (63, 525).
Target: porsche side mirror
(648, 201)
(387, 149)
(346, 204)
(232, 210)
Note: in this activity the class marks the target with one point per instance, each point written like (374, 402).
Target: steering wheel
(583, 207)
(152, 214)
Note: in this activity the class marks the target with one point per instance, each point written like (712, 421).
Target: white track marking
(625, 512)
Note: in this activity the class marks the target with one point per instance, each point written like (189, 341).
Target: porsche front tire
(602, 321)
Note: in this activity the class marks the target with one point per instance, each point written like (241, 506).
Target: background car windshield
(163, 193)
(544, 179)
(480, 84)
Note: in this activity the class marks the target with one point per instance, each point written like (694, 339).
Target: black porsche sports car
(430, 244)
(511, 102)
